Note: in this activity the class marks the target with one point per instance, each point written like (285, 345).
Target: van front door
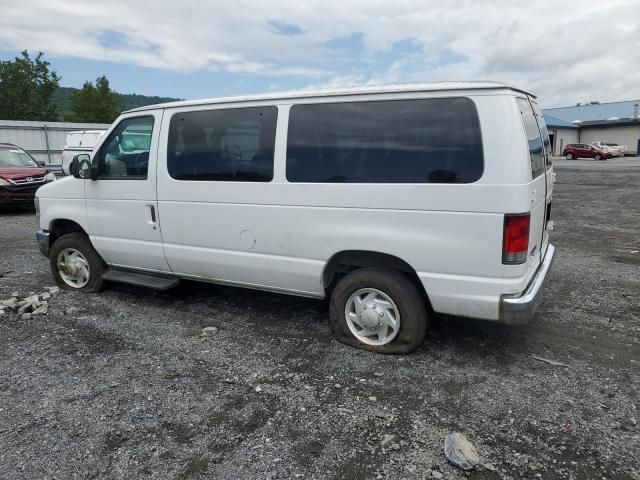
(122, 207)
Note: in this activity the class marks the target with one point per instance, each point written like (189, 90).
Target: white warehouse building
(614, 122)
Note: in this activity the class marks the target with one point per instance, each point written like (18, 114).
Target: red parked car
(20, 176)
(580, 150)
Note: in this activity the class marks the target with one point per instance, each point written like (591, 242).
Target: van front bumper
(43, 241)
(519, 309)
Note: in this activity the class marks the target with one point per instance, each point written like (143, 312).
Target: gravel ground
(122, 384)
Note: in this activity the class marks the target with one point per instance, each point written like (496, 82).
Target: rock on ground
(460, 451)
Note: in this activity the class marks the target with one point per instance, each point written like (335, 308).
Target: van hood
(12, 173)
(67, 188)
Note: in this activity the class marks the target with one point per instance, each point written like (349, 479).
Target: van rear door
(538, 186)
(549, 174)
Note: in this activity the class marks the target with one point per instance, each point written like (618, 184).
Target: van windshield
(14, 157)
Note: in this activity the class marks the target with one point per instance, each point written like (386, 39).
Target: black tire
(597, 158)
(569, 156)
(407, 297)
(80, 242)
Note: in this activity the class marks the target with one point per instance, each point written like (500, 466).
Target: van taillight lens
(515, 238)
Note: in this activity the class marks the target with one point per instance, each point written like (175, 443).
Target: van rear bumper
(519, 309)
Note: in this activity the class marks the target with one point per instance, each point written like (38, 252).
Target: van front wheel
(378, 310)
(75, 264)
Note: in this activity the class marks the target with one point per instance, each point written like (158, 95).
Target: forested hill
(61, 98)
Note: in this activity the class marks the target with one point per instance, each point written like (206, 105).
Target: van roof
(346, 91)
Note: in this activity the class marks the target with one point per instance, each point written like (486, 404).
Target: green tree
(26, 89)
(95, 103)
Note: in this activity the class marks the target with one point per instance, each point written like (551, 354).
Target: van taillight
(515, 238)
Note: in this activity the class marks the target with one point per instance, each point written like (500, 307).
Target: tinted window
(533, 137)
(545, 133)
(125, 154)
(225, 145)
(399, 141)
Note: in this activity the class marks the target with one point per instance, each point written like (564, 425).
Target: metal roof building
(599, 111)
(554, 122)
(614, 122)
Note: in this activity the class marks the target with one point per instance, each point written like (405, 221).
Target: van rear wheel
(75, 264)
(569, 156)
(378, 310)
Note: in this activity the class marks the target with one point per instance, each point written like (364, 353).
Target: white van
(396, 202)
(81, 141)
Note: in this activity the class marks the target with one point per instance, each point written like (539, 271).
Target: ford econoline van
(396, 202)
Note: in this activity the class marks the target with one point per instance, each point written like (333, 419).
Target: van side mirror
(80, 166)
(41, 163)
(74, 167)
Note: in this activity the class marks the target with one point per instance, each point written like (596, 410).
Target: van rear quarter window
(533, 137)
(546, 140)
(231, 144)
(392, 141)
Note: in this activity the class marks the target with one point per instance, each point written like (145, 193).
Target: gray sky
(565, 51)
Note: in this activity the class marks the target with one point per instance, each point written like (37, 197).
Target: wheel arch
(62, 226)
(346, 261)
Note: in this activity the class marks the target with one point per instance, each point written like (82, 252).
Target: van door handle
(152, 211)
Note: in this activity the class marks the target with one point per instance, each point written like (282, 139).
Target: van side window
(393, 141)
(545, 132)
(234, 144)
(125, 154)
(533, 137)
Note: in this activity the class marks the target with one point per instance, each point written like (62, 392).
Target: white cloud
(563, 50)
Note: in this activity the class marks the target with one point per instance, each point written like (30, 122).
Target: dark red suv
(580, 150)
(20, 176)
